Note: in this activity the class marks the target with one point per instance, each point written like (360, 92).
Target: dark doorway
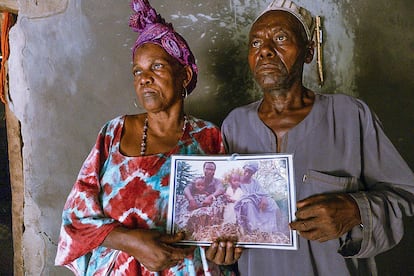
(6, 241)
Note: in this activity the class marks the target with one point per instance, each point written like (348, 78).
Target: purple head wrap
(152, 28)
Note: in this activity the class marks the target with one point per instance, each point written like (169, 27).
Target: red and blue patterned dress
(117, 190)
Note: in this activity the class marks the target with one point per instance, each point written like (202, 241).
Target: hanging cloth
(6, 24)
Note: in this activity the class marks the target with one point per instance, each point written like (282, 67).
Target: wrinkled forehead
(277, 19)
(151, 51)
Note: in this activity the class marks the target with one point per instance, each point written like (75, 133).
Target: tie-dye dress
(116, 190)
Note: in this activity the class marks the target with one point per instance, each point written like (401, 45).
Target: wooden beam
(15, 154)
(9, 6)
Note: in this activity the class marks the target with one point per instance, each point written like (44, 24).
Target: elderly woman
(115, 216)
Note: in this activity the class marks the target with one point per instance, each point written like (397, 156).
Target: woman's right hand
(154, 250)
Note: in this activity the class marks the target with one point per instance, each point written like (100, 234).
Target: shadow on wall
(236, 87)
(385, 82)
(225, 65)
(399, 260)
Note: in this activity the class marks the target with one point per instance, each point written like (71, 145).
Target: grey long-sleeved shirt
(339, 146)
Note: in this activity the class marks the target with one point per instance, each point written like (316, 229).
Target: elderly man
(353, 187)
(256, 210)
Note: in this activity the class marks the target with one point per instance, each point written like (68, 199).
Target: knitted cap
(303, 15)
(152, 28)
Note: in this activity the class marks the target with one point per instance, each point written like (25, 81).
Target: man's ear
(310, 51)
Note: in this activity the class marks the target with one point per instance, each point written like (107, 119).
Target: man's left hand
(326, 216)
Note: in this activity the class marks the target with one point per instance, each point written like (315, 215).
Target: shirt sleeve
(388, 194)
(84, 225)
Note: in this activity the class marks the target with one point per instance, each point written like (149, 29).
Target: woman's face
(159, 79)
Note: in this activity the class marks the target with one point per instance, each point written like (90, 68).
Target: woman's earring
(184, 93)
(135, 103)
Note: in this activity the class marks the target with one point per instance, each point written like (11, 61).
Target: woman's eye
(136, 72)
(157, 66)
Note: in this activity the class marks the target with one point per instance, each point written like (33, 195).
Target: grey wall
(70, 71)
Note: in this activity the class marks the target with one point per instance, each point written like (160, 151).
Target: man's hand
(208, 201)
(223, 252)
(325, 217)
(192, 204)
(263, 204)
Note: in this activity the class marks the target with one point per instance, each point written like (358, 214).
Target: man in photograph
(256, 209)
(213, 187)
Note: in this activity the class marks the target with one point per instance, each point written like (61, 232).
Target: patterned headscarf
(152, 28)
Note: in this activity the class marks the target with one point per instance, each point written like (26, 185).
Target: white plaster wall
(70, 71)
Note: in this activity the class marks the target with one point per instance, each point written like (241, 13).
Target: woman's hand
(154, 250)
(223, 252)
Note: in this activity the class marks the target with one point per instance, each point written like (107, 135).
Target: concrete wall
(70, 71)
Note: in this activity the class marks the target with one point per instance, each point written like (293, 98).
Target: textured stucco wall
(70, 71)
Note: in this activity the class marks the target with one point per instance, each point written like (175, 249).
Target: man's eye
(256, 43)
(280, 38)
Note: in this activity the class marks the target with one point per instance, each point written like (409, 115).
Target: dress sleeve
(84, 225)
(216, 145)
(208, 138)
(388, 193)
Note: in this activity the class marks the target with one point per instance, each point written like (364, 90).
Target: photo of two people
(245, 198)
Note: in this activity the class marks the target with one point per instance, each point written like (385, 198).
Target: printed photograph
(247, 198)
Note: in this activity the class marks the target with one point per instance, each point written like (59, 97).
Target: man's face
(209, 169)
(276, 50)
(247, 175)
